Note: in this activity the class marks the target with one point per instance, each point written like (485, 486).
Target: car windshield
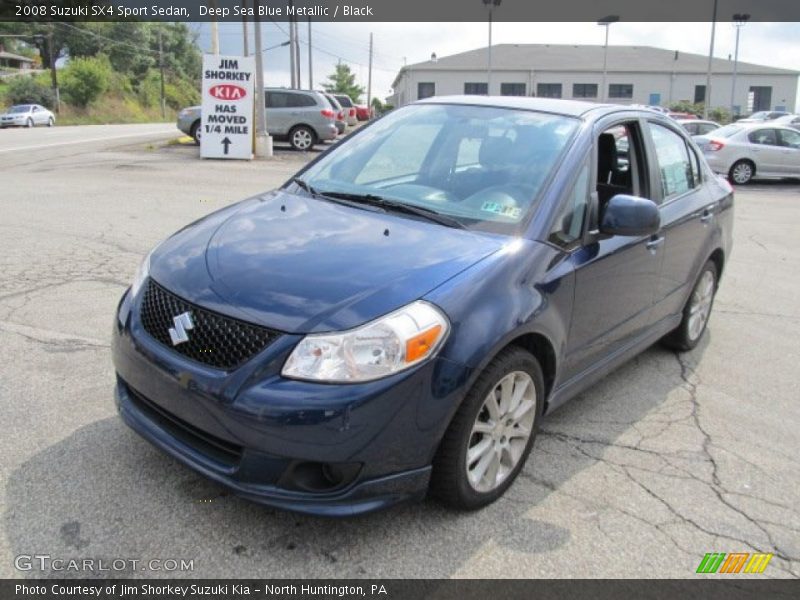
(759, 115)
(727, 131)
(22, 108)
(482, 166)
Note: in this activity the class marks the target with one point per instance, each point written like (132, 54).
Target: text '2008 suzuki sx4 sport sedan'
(397, 318)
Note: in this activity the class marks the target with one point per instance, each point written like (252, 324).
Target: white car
(792, 121)
(27, 115)
(697, 127)
(742, 151)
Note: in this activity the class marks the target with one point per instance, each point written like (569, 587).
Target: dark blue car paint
(301, 265)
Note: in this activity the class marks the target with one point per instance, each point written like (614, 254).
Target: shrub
(26, 90)
(720, 115)
(85, 79)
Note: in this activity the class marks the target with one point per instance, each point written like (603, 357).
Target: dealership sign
(227, 114)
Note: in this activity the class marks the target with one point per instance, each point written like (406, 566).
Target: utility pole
(161, 69)
(738, 21)
(291, 52)
(245, 40)
(707, 99)
(53, 74)
(263, 140)
(297, 51)
(369, 78)
(606, 22)
(310, 68)
(214, 30)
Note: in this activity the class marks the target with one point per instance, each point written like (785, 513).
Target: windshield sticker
(512, 212)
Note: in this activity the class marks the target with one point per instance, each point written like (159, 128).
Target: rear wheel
(50, 122)
(492, 434)
(302, 138)
(195, 132)
(741, 172)
(696, 312)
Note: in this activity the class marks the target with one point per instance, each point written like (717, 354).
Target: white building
(635, 75)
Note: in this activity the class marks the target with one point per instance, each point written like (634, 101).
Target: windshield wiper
(386, 204)
(302, 183)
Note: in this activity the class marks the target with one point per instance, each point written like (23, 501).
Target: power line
(108, 39)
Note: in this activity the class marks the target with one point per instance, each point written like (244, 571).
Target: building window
(699, 94)
(425, 90)
(512, 89)
(584, 90)
(476, 89)
(620, 90)
(548, 90)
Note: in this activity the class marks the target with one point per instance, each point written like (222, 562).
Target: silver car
(341, 123)
(302, 117)
(27, 115)
(698, 126)
(349, 109)
(792, 121)
(743, 151)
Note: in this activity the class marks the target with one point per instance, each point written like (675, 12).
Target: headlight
(141, 274)
(385, 346)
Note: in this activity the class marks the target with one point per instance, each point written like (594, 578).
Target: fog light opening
(317, 477)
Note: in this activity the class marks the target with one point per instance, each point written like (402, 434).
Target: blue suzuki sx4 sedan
(396, 319)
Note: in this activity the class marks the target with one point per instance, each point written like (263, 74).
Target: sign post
(227, 112)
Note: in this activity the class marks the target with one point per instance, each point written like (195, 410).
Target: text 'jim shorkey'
(735, 562)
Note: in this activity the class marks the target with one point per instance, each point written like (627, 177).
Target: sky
(772, 44)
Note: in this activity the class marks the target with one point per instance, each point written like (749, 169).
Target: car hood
(301, 265)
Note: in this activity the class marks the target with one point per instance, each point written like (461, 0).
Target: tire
(302, 138)
(195, 132)
(463, 485)
(50, 122)
(741, 172)
(690, 331)
(29, 123)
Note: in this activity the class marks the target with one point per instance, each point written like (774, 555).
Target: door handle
(706, 216)
(655, 242)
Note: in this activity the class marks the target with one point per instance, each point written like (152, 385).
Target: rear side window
(765, 137)
(674, 165)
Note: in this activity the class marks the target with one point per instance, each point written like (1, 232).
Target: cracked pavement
(670, 457)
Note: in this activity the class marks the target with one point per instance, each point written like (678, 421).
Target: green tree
(86, 79)
(343, 81)
(26, 90)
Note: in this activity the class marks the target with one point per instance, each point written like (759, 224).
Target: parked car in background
(362, 112)
(682, 115)
(764, 115)
(27, 115)
(341, 122)
(302, 117)
(399, 315)
(742, 151)
(348, 107)
(698, 126)
(792, 121)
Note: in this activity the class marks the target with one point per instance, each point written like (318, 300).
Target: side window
(568, 225)
(674, 165)
(763, 136)
(691, 128)
(277, 99)
(790, 138)
(299, 100)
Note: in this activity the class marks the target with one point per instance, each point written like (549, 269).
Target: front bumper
(248, 428)
(185, 122)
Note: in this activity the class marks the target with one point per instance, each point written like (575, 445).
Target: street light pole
(491, 4)
(606, 22)
(739, 20)
(707, 99)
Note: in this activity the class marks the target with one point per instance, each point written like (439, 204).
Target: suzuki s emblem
(183, 322)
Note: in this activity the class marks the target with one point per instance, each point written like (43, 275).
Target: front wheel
(29, 122)
(195, 132)
(696, 312)
(302, 138)
(51, 122)
(491, 435)
(741, 172)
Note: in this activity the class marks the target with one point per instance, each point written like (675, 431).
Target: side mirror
(630, 215)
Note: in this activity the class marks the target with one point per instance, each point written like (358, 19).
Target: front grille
(217, 449)
(214, 339)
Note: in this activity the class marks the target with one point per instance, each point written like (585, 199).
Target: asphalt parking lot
(667, 459)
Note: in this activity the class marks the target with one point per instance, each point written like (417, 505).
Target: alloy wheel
(501, 431)
(301, 139)
(700, 305)
(742, 173)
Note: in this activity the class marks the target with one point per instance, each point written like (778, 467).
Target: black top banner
(399, 10)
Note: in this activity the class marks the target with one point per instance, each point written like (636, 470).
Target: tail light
(714, 145)
(327, 113)
(340, 116)
(352, 112)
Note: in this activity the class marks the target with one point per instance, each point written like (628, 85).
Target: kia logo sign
(227, 91)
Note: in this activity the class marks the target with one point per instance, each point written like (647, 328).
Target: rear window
(727, 131)
(345, 101)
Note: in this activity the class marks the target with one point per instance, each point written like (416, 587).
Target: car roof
(572, 108)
